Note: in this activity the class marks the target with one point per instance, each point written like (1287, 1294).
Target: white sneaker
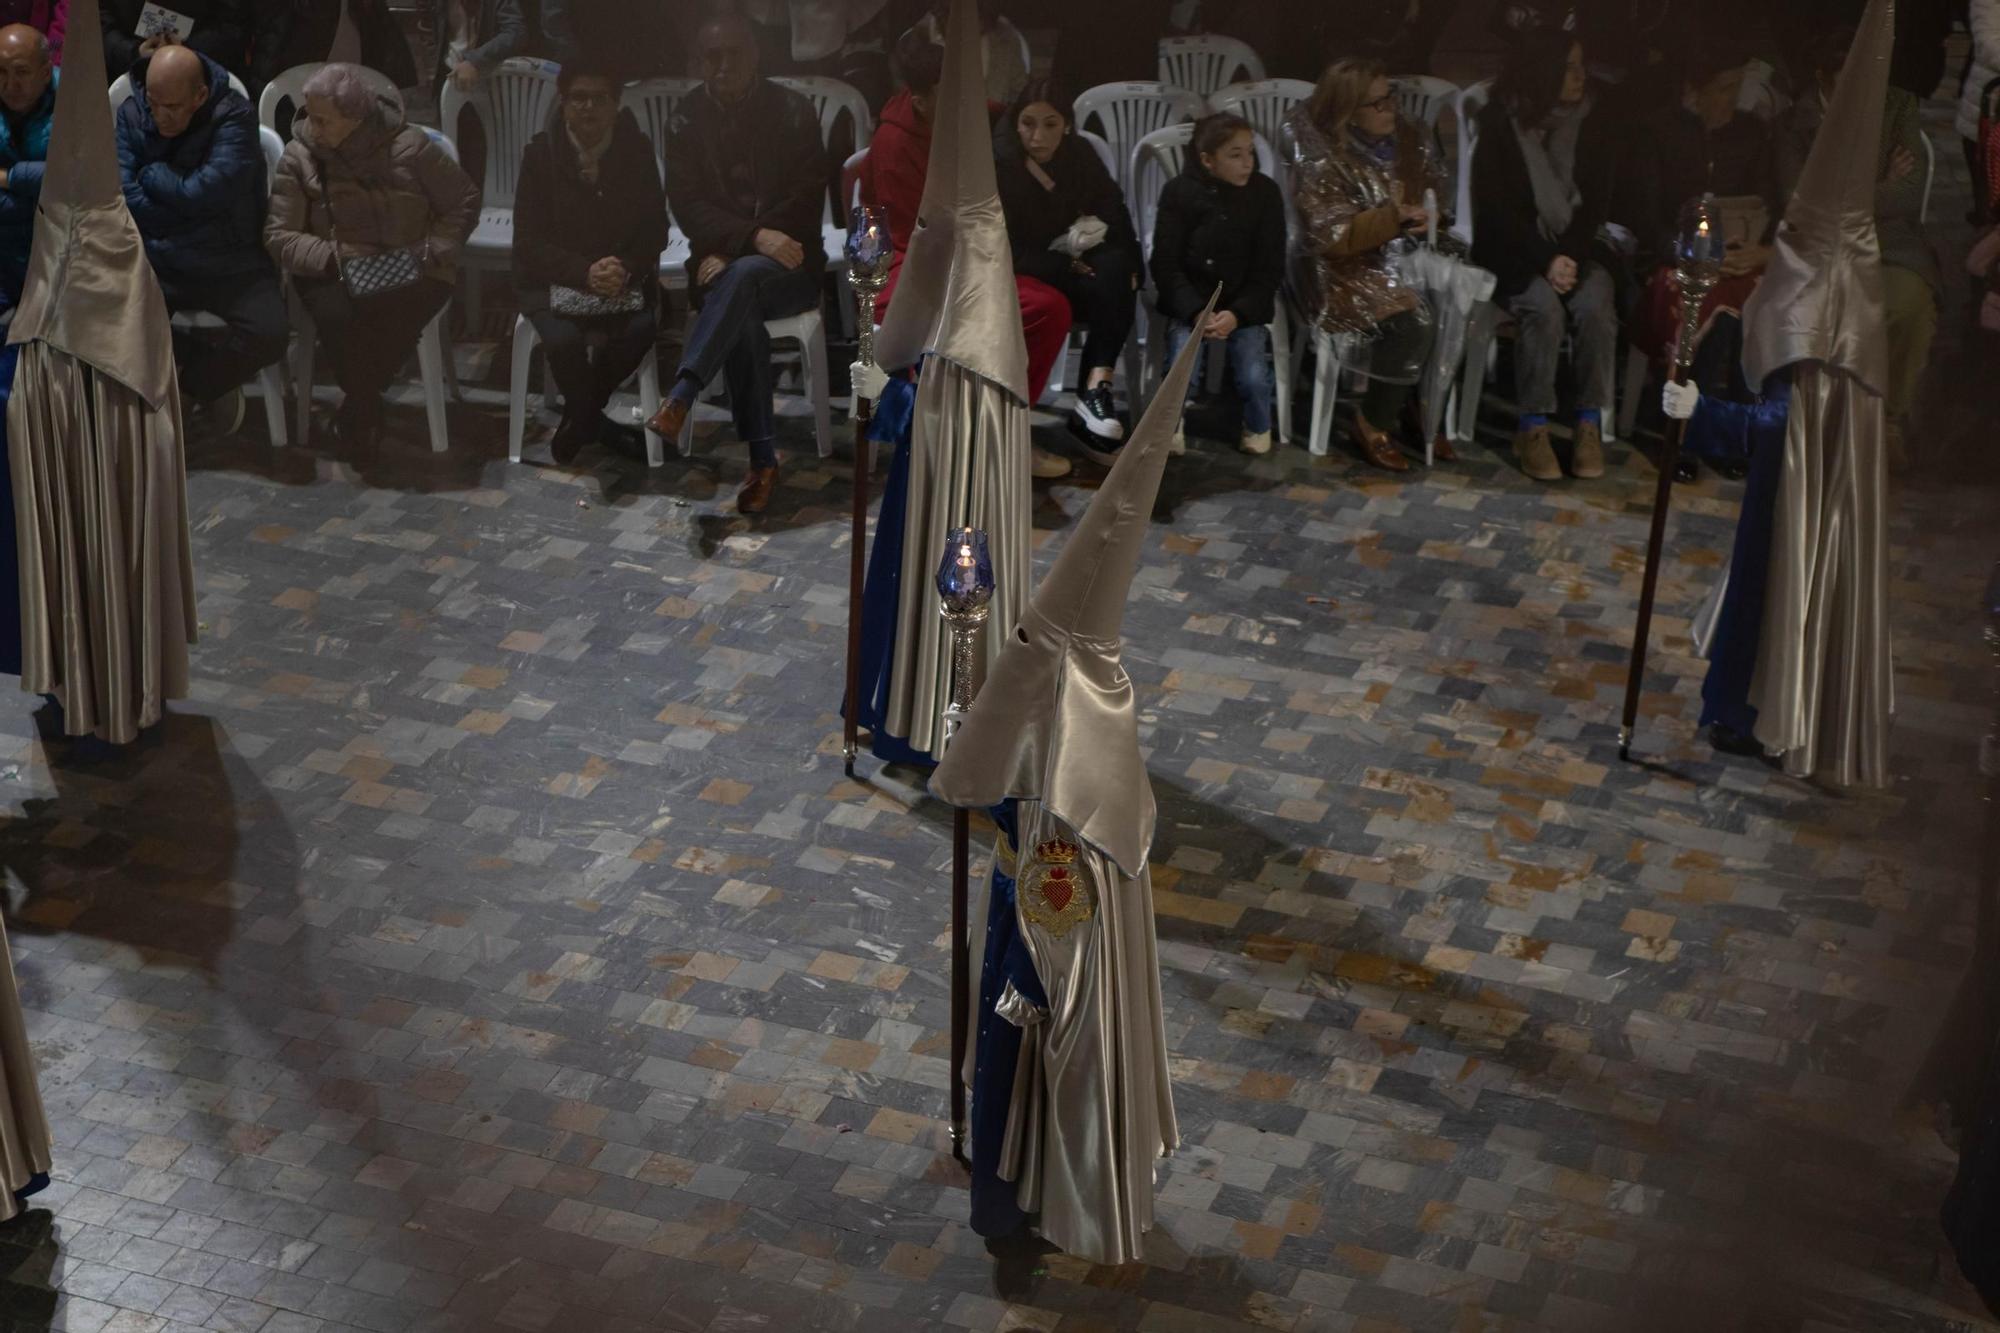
(1045, 465)
(1099, 414)
(1255, 442)
(1179, 444)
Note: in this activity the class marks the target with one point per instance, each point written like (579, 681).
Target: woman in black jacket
(590, 220)
(1067, 221)
(1538, 201)
(1221, 221)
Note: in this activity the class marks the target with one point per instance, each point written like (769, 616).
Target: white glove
(868, 380)
(1679, 400)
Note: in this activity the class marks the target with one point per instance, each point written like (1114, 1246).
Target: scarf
(1550, 152)
(1382, 151)
(590, 159)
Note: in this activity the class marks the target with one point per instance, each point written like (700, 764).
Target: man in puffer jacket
(197, 184)
(27, 113)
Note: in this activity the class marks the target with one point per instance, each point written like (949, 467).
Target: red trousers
(1045, 320)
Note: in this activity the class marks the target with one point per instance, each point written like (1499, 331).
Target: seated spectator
(340, 32)
(590, 221)
(47, 17)
(1068, 225)
(1221, 221)
(1911, 279)
(1538, 200)
(196, 184)
(1355, 164)
(892, 180)
(474, 37)
(219, 29)
(745, 175)
(358, 181)
(28, 96)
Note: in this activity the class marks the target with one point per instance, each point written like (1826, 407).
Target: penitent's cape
(1823, 682)
(1072, 1104)
(958, 313)
(94, 425)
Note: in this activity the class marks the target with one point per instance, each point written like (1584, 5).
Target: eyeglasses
(586, 101)
(1387, 103)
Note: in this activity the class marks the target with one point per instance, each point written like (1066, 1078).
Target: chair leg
(816, 387)
(1135, 371)
(271, 387)
(1637, 371)
(304, 343)
(1326, 393)
(1472, 386)
(525, 339)
(649, 404)
(1281, 373)
(430, 362)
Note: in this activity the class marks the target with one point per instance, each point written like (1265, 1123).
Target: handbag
(373, 275)
(577, 303)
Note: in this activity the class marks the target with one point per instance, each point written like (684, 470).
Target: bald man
(196, 183)
(27, 112)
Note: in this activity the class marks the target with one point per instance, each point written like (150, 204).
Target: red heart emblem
(1058, 890)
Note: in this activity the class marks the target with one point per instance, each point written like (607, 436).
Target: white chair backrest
(652, 103)
(1422, 99)
(833, 99)
(1156, 159)
(1105, 153)
(290, 86)
(1470, 103)
(1930, 175)
(1127, 112)
(274, 148)
(512, 104)
(121, 89)
(1264, 103)
(1204, 64)
(850, 173)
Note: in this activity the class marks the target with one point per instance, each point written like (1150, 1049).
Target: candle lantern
(965, 595)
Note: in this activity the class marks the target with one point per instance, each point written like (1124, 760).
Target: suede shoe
(1588, 459)
(1535, 455)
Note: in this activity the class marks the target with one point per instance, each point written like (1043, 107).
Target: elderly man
(745, 177)
(27, 113)
(196, 183)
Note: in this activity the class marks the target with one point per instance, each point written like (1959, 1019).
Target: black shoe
(358, 425)
(569, 439)
(620, 438)
(1687, 471)
(1734, 742)
(1097, 413)
(1732, 470)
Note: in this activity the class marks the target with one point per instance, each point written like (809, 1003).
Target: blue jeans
(1249, 353)
(728, 337)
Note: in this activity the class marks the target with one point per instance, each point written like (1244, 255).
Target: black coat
(563, 224)
(301, 32)
(222, 32)
(735, 170)
(1208, 232)
(1036, 216)
(1507, 237)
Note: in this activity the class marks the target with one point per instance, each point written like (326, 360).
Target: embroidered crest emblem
(1056, 898)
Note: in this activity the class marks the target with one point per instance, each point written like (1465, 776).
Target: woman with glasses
(590, 220)
(1359, 173)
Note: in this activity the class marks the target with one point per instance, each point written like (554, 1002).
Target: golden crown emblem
(1055, 852)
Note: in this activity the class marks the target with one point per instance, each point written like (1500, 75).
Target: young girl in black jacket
(1221, 221)
(1068, 225)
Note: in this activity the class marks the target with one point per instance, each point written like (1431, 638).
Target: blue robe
(1725, 431)
(996, 1052)
(881, 592)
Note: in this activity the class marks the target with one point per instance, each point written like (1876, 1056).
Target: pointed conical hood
(956, 295)
(1821, 298)
(90, 290)
(1056, 720)
(83, 146)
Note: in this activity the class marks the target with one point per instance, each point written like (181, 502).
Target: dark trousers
(1104, 300)
(1400, 341)
(728, 338)
(254, 334)
(368, 340)
(590, 358)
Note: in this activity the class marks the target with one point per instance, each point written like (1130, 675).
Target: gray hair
(345, 87)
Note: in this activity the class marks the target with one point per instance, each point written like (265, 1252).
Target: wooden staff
(961, 840)
(856, 570)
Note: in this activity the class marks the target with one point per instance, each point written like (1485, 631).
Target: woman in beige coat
(368, 215)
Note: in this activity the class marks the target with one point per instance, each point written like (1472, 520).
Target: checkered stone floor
(494, 942)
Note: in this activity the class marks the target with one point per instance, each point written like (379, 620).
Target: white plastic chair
(512, 104)
(526, 339)
(1264, 103)
(290, 86)
(652, 103)
(1471, 101)
(271, 379)
(1206, 63)
(1127, 112)
(432, 366)
(121, 89)
(1422, 99)
(832, 100)
(1930, 175)
(808, 330)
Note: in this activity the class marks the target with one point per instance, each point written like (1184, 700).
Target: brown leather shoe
(755, 496)
(668, 421)
(1376, 447)
(1536, 455)
(1441, 449)
(1587, 461)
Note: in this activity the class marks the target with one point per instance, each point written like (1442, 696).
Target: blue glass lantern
(1700, 243)
(965, 575)
(868, 246)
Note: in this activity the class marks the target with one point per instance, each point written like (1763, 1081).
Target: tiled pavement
(494, 942)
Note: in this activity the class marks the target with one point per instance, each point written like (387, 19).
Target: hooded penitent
(957, 312)
(100, 489)
(1071, 1101)
(1822, 687)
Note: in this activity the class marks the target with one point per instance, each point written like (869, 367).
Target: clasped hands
(608, 278)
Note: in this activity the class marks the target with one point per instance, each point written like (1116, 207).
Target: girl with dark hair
(1067, 221)
(1538, 201)
(1221, 221)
